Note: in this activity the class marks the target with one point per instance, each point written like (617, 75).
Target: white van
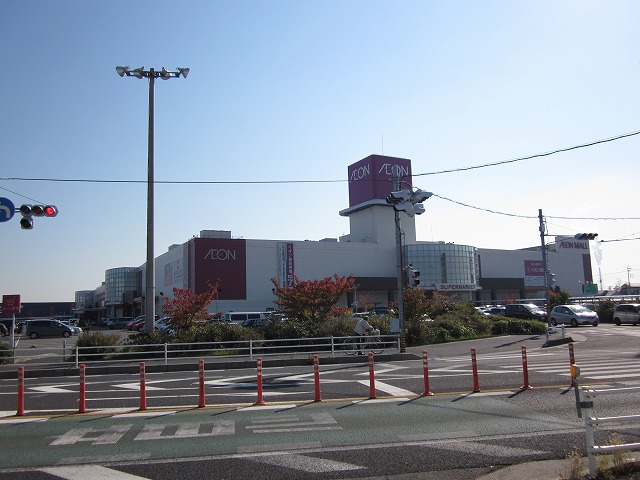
(240, 317)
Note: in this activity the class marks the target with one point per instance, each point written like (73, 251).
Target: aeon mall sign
(372, 177)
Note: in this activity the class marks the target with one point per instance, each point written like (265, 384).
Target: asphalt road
(453, 434)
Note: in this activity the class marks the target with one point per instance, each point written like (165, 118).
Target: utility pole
(543, 249)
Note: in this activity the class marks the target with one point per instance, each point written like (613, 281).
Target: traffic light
(586, 236)
(30, 211)
(408, 201)
(415, 277)
(26, 222)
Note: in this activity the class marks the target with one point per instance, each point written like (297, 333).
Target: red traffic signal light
(50, 210)
(30, 211)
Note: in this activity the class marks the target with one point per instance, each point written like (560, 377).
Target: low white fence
(590, 422)
(70, 354)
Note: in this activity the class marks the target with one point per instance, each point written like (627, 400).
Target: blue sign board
(7, 209)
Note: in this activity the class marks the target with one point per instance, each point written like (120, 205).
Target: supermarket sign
(10, 304)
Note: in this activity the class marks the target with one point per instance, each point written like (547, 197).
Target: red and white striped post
(572, 361)
(525, 369)
(201, 400)
(372, 379)
(474, 367)
(20, 411)
(316, 377)
(260, 401)
(82, 402)
(143, 387)
(425, 368)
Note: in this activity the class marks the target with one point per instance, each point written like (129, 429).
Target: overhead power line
(529, 157)
(267, 182)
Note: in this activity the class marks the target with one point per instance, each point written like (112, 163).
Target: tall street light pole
(150, 294)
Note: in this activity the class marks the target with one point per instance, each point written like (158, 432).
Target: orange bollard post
(20, 411)
(260, 401)
(143, 388)
(525, 369)
(82, 407)
(474, 367)
(572, 361)
(372, 380)
(316, 378)
(425, 368)
(201, 397)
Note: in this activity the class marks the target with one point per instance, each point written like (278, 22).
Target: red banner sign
(10, 304)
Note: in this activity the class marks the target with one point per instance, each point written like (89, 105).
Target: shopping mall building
(244, 267)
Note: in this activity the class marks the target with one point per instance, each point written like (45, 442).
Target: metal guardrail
(166, 352)
(590, 422)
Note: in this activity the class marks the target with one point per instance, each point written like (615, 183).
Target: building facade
(244, 268)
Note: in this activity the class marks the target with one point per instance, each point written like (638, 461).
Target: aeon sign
(220, 254)
(218, 259)
(372, 177)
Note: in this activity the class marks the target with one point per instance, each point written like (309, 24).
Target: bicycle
(369, 343)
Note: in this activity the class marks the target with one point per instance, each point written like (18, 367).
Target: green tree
(557, 297)
(188, 307)
(312, 300)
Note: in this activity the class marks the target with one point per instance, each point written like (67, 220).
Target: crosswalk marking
(306, 463)
(82, 472)
(487, 449)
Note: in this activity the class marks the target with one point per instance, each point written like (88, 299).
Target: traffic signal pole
(543, 249)
(400, 272)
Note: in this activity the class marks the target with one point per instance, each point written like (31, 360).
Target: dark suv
(47, 328)
(527, 311)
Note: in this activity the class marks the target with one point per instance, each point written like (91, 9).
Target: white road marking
(96, 436)
(12, 421)
(487, 449)
(389, 389)
(52, 389)
(82, 472)
(162, 413)
(188, 430)
(306, 463)
(321, 421)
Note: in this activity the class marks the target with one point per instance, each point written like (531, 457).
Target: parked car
(254, 323)
(573, 315)
(527, 311)
(76, 330)
(118, 323)
(497, 310)
(627, 313)
(47, 328)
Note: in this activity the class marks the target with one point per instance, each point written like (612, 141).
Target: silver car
(573, 315)
(627, 313)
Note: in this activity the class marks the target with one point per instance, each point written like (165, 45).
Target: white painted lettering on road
(93, 435)
(187, 430)
(292, 423)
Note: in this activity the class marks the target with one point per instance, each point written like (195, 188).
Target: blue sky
(298, 90)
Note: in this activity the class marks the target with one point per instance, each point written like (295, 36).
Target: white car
(76, 330)
(573, 315)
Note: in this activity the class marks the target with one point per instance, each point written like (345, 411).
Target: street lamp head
(165, 74)
(122, 71)
(183, 71)
(138, 72)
